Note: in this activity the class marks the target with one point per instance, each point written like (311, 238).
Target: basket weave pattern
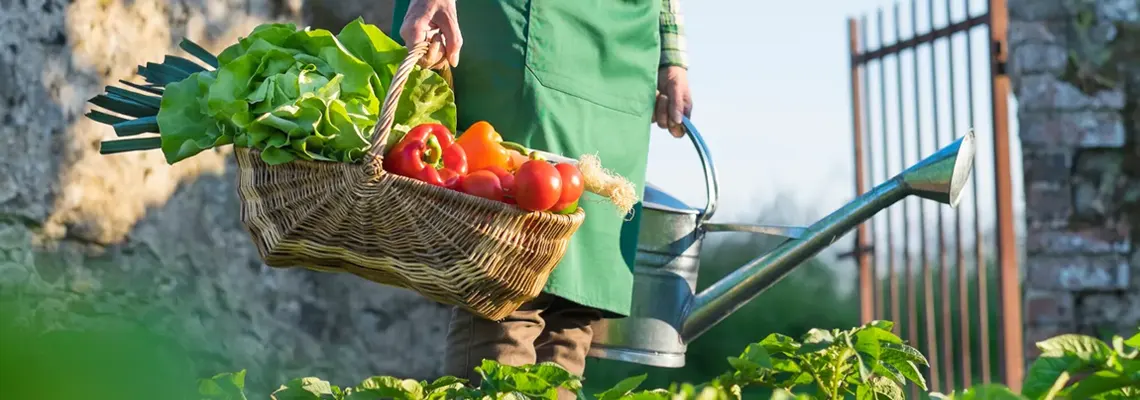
(485, 256)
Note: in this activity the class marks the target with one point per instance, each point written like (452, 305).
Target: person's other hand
(426, 15)
(673, 99)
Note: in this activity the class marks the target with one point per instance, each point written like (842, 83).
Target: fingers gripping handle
(712, 185)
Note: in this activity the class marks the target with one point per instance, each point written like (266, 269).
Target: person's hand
(425, 16)
(673, 99)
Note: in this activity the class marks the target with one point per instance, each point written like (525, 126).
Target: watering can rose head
(299, 94)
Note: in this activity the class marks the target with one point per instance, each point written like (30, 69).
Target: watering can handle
(712, 186)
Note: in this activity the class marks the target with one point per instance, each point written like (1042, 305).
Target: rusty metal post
(1013, 356)
(863, 232)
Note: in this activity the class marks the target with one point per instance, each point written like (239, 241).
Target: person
(569, 77)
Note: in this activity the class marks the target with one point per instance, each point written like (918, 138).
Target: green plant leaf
(1086, 348)
(136, 126)
(426, 99)
(888, 371)
(881, 324)
(776, 343)
(903, 359)
(1133, 341)
(816, 340)
(1044, 372)
(1060, 354)
(493, 376)
(198, 52)
(556, 376)
(989, 392)
(224, 386)
(304, 389)
(897, 351)
(275, 33)
(444, 383)
(387, 387)
(868, 342)
(1100, 383)
(127, 145)
(751, 360)
(886, 389)
(864, 365)
(371, 45)
(186, 130)
(623, 388)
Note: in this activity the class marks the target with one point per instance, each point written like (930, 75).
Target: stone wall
(132, 232)
(1075, 66)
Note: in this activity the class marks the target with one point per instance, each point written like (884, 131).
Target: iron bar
(863, 232)
(979, 253)
(960, 256)
(1012, 351)
(928, 37)
(892, 278)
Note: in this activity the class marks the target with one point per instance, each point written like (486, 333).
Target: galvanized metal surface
(942, 321)
(665, 278)
(665, 273)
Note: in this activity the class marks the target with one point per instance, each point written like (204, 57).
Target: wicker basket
(485, 256)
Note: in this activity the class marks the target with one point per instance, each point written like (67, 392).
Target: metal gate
(910, 255)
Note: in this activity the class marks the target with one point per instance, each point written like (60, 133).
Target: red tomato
(483, 184)
(572, 186)
(538, 185)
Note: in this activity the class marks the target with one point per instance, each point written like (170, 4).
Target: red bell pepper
(428, 153)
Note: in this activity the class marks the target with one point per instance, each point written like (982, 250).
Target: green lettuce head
(299, 95)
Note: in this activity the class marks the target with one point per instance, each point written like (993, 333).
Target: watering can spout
(940, 177)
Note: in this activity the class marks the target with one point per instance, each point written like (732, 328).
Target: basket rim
(372, 169)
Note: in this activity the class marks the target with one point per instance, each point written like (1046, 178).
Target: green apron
(571, 77)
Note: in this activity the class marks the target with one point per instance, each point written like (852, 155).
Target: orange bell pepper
(484, 147)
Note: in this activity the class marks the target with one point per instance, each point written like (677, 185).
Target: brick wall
(1075, 66)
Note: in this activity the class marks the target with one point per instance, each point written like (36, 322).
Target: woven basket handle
(388, 108)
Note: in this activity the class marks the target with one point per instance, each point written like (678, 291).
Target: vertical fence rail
(952, 323)
(1013, 358)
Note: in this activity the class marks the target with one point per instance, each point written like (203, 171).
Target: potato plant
(867, 362)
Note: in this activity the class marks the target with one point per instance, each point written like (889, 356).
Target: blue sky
(772, 99)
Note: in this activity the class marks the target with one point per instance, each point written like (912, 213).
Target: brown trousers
(547, 329)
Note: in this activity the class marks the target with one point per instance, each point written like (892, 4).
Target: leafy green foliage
(867, 362)
(293, 94)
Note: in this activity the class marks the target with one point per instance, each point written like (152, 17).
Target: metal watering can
(667, 313)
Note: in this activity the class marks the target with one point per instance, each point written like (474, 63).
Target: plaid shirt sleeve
(672, 35)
